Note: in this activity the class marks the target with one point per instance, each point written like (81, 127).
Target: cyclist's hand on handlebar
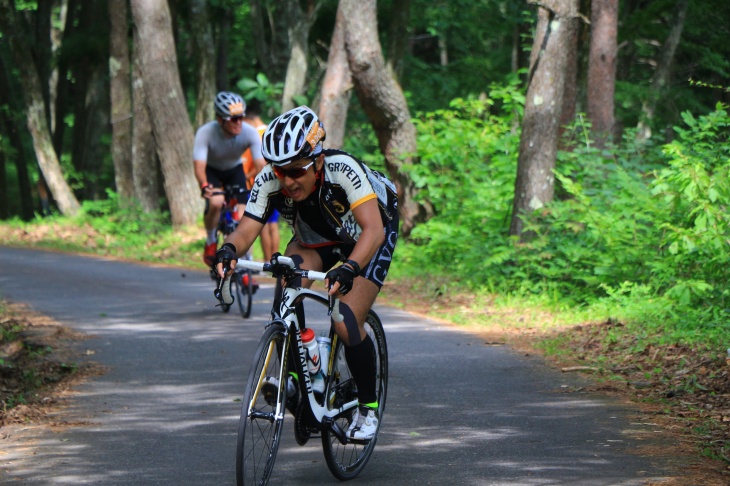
(206, 191)
(340, 279)
(225, 259)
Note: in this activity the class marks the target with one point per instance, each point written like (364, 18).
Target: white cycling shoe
(364, 424)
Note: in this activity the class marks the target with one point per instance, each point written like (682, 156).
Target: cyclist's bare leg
(270, 240)
(310, 259)
(215, 206)
(360, 299)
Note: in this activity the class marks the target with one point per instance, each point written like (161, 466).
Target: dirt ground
(39, 365)
(684, 392)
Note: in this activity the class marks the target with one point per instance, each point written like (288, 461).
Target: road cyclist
(242, 280)
(217, 151)
(340, 210)
(270, 236)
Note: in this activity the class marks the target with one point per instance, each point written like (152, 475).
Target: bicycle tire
(345, 461)
(244, 292)
(259, 429)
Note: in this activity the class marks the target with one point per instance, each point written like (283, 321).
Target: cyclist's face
(232, 125)
(296, 185)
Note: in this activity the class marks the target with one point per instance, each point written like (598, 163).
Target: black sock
(362, 363)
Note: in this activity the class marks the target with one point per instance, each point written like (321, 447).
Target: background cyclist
(270, 238)
(217, 159)
(339, 209)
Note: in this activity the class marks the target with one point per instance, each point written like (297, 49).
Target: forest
(571, 151)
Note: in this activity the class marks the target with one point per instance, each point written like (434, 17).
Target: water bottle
(314, 360)
(325, 347)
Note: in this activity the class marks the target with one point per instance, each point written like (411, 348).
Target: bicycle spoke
(261, 422)
(346, 461)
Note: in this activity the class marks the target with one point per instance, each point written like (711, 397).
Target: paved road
(459, 411)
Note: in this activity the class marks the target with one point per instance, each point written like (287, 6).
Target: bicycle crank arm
(336, 430)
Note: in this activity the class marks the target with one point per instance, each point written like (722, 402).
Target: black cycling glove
(343, 274)
(225, 255)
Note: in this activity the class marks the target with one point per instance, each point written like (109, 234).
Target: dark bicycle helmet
(296, 134)
(229, 104)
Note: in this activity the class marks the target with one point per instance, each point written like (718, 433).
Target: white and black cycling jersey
(325, 217)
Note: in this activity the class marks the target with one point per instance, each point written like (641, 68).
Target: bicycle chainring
(304, 423)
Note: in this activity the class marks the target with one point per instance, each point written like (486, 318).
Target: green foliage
(262, 89)
(639, 233)
(127, 221)
(467, 156)
(651, 241)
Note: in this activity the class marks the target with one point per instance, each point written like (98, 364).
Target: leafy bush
(467, 165)
(128, 221)
(638, 232)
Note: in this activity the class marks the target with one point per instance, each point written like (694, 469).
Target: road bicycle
(279, 376)
(242, 281)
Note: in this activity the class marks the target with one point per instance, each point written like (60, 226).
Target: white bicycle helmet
(297, 134)
(229, 104)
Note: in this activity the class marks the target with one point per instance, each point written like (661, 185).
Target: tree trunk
(272, 50)
(399, 35)
(382, 100)
(62, 88)
(263, 53)
(121, 99)
(25, 188)
(144, 156)
(661, 76)
(4, 206)
(57, 33)
(42, 52)
(36, 112)
(10, 121)
(171, 126)
(602, 69)
(221, 59)
(204, 48)
(299, 23)
(91, 100)
(570, 86)
(336, 87)
(534, 186)
(296, 69)
(95, 126)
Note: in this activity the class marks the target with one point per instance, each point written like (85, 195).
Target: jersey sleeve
(347, 173)
(252, 140)
(200, 145)
(265, 186)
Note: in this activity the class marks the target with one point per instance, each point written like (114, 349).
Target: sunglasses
(234, 119)
(292, 173)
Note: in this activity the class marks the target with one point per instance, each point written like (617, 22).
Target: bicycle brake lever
(222, 291)
(334, 309)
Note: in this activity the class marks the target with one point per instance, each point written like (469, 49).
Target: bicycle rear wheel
(345, 461)
(244, 292)
(260, 426)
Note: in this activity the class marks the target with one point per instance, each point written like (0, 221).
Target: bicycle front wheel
(262, 410)
(345, 461)
(244, 292)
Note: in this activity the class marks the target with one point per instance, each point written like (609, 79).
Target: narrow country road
(165, 413)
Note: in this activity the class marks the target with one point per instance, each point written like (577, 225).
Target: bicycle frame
(227, 223)
(288, 298)
(268, 396)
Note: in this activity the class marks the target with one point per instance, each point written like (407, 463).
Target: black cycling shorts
(377, 269)
(220, 178)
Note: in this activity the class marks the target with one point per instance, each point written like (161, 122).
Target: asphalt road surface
(459, 411)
